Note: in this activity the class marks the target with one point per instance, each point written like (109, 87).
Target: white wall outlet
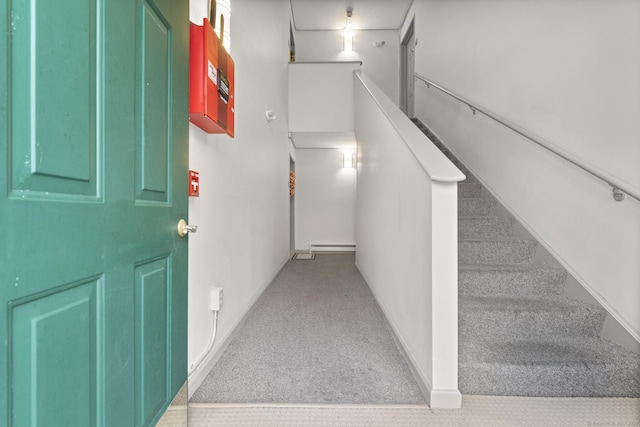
(215, 302)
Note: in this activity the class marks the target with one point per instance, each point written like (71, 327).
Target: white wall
(321, 97)
(325, 198)
(243, 209)
(382, 64)
(568, 71)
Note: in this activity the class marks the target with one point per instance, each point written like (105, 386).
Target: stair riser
(498, 252)
(478, 228)
(510, 284)
(533, 325)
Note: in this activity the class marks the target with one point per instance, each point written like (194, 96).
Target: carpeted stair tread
(423, 128)
(459, 164)
(570, 367)
(565, 351)
(469, 189)
(539, 303)
(510, 280)
(528, 318)
(469, 177)
(475, 206)
(478, 227)
(449, 154)
(496, 251)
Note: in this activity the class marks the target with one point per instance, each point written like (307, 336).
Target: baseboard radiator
(331, 248)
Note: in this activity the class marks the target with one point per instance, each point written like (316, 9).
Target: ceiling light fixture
(348, 33)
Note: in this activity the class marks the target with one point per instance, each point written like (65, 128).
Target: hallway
(316, 351)
(316, 336)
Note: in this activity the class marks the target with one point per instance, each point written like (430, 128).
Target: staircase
(518, 334)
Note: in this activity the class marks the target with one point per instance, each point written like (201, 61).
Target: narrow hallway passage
(315, 336)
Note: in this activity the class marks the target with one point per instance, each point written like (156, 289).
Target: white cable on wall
(196, 365)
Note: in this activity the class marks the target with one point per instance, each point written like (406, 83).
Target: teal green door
(93, 181)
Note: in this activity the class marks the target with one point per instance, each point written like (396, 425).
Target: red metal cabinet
(211, 81)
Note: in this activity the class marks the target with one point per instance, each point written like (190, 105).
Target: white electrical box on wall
(215, 302)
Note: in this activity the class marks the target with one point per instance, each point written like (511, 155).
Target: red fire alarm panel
(194, 184)
(211, 81)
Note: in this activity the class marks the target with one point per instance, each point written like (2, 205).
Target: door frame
(404, 71)
(292, 212)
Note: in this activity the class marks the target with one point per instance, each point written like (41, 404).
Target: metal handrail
(620, 188)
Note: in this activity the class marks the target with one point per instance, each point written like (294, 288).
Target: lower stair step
(476, 227)
(469, 189)
(561, 368)
(475, 206)
(470, 178)
(510, 280)
(505, 318)
(495, 251)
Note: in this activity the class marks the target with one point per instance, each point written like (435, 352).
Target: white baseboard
(445, 399)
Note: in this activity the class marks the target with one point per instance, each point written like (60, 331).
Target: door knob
(184, 228)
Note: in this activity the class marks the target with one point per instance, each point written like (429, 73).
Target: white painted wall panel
(382, 64)
(243, 209)
(325, 199)
(321, 97)
(406, 233)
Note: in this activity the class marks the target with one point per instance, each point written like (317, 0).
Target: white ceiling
(332, 14)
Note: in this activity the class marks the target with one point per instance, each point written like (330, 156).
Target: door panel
(93, 278)
(154, 89)
(51, 335)
(152, 337)
(54, 86)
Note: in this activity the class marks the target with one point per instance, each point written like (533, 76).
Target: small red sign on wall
(194, 184)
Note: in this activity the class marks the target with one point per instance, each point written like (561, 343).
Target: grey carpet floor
(315, 336)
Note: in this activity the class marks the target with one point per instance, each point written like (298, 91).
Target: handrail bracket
(618, 195)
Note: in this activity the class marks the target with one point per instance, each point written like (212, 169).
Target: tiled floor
(476, 411)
